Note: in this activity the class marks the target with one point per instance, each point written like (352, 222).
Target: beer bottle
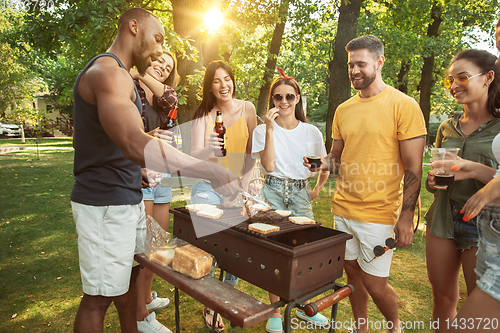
(169, 122)
(221, 131)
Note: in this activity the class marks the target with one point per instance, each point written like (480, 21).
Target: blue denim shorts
(465, 233)
(158, 193)
(288, 194)
(203, 193)
(488, 254)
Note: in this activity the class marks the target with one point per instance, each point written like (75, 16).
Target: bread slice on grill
(260, 207)
(197, 207)
(210, 212)
(263, 228)
(284, 213)
(301, 220)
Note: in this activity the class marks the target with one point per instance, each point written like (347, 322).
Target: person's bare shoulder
(105, 78)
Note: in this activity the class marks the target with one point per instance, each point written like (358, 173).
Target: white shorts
(108, 238)
(366, 236)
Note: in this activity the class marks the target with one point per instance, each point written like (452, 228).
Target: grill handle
(312, 309)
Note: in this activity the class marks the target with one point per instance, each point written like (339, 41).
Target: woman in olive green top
(451, 241)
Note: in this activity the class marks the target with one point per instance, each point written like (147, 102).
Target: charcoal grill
(289, 263)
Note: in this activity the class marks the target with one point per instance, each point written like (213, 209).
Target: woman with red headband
(282, 144)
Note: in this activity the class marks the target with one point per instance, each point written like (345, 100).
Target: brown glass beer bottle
(221, 132)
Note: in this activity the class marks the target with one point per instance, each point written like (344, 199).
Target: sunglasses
(461, 80)
(379, 250)
(290, 98)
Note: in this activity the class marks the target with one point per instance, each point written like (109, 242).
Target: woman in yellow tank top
(240, 119)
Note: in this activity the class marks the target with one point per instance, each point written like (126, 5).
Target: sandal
(275, 324)
(208, 315)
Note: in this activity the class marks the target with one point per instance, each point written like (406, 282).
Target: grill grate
(268, 217)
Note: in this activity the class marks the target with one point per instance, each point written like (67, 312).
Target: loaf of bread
(283, 213)
(301, 220)
(263, 228)
(163, 256)
(192, 261)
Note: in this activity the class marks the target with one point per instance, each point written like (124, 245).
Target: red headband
(283, 74)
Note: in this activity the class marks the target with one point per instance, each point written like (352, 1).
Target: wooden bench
(237, 307)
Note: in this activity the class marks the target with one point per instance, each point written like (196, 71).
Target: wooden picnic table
(237, 307)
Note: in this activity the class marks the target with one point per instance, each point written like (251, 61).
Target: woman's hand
(314, 193)
(148, 177)
(484, 196)
(431, 181)
(215, 143)
(165, 135)
(269, 118)
(135, 74)
(309, 166)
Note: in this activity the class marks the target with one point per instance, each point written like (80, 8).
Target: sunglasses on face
(461, 80)
(290, 98)
(379, 250)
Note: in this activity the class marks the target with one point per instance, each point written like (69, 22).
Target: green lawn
(40, 286)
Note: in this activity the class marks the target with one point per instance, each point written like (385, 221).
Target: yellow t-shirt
(369, 187)
(236, 144)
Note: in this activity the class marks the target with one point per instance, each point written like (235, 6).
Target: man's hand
(404, 231)
(309, 166)
(314, 193)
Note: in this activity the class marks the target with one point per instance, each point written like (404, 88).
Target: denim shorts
(288, 194)
(158, 193)
(488, 254)
(465, 233)
(203, 193)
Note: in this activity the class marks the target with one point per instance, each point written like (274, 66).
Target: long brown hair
(299, 109)
(208, 98)
(174, 78)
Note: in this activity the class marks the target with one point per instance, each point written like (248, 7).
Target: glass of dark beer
(442, 162)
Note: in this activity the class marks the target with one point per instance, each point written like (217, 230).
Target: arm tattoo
(409, 180)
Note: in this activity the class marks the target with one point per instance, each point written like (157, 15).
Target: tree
(274, 49)
(339, 83)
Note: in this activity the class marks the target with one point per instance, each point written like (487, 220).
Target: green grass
(44, 142)
(40, 287)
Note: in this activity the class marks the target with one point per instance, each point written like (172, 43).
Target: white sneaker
(151, 325)
(157, 303)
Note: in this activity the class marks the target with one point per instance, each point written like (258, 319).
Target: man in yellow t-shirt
(379, 138)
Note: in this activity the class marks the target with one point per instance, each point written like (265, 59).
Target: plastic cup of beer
(442, 160)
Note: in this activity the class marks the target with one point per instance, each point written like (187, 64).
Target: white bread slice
(210, 212)
(283, 213)
(263, 228)
(260, 207)
(197, 207)
(163, 256)
(301, 220)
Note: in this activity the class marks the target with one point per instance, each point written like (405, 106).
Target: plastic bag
(160, 247)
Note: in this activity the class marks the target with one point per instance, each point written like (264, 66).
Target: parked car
(10, 130)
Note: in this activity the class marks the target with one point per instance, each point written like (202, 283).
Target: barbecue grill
(289, 263)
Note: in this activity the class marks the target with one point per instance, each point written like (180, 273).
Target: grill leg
(288, 315)
(177, 314)
(333, 317)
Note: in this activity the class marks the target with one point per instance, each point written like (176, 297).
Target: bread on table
(163, 256)
(283, 213)
(192, 261)
(301, 220)
(263, 228)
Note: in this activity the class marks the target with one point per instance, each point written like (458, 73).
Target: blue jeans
(465, 232)
(288, 194)
(203, 193)
(158, 193)
(488, 254)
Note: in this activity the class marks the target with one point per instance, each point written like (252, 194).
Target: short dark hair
(137, 14)
(369, 42)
